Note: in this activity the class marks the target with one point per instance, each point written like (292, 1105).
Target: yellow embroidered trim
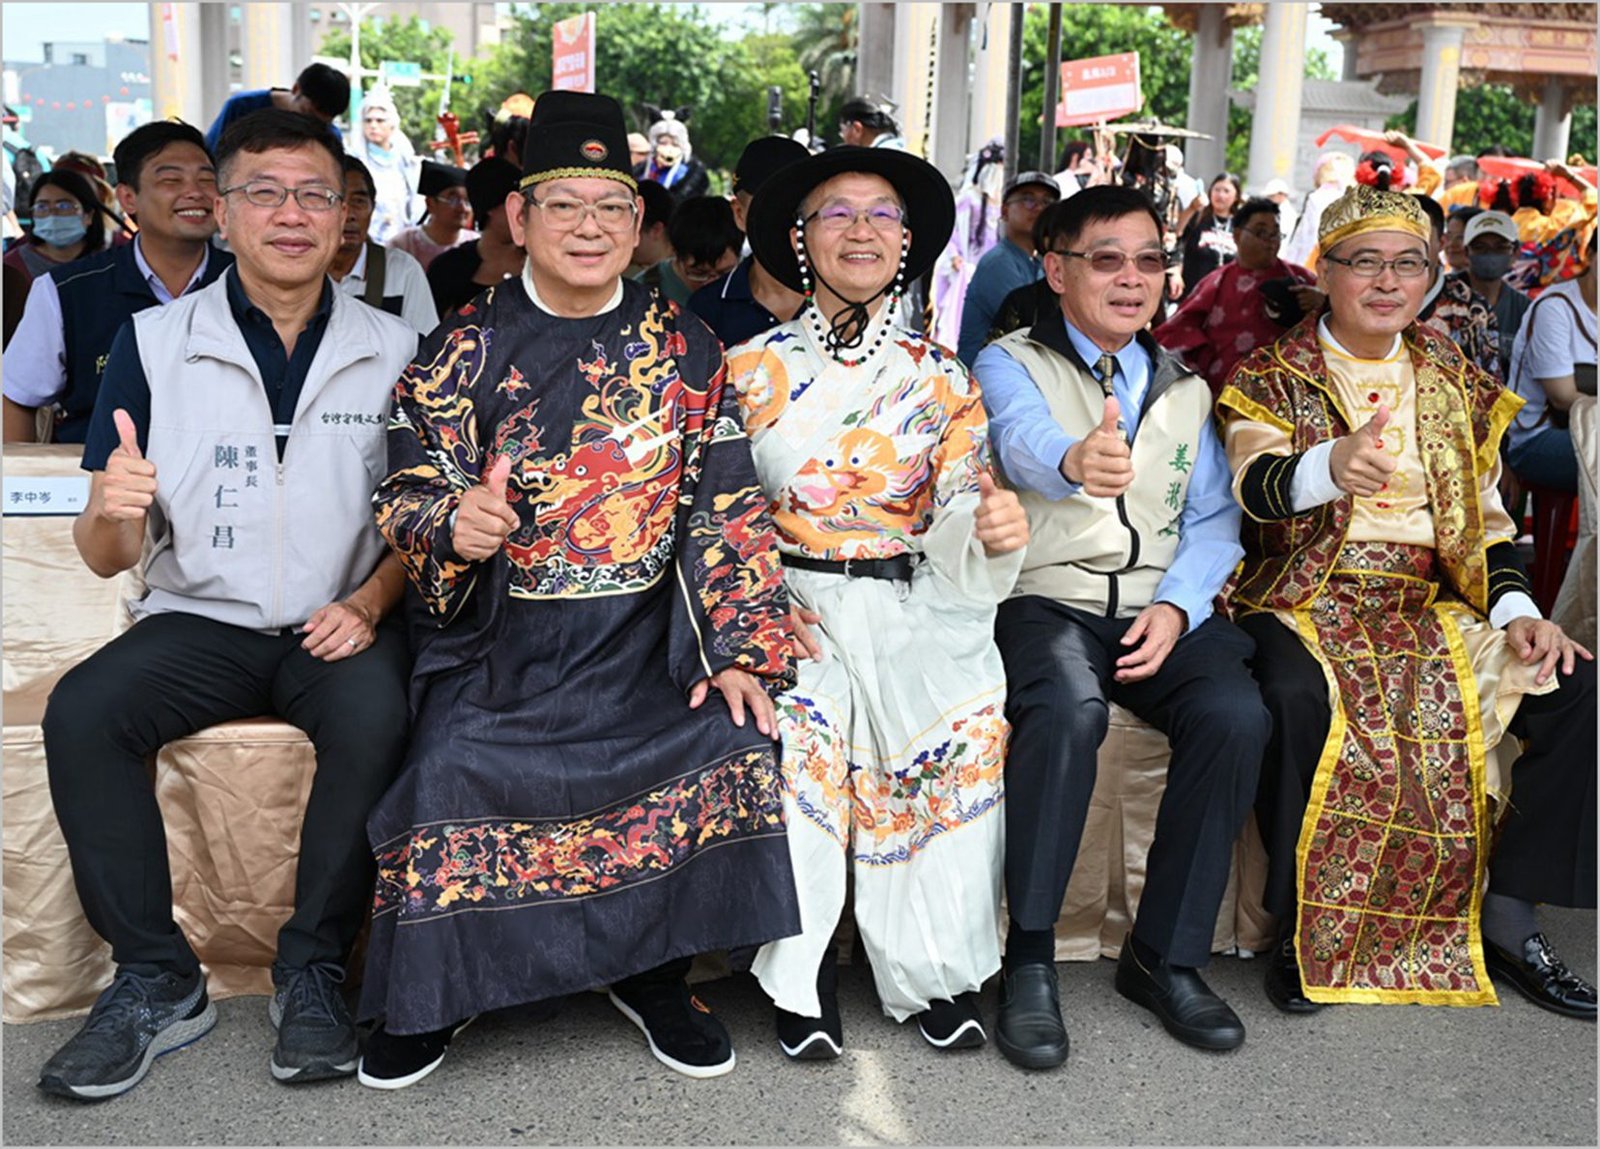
(1476, 753)
(577, 174)
(1232, 397)
(1500, 416)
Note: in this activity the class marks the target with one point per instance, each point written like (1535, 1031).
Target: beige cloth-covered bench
(233, 795)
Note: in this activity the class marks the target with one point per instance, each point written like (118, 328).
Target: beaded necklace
(849, 328)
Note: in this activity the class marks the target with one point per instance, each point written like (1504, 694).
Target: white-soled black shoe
(396, 1060)
(954, 1024)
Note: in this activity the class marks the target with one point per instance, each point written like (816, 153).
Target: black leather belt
(896, 569)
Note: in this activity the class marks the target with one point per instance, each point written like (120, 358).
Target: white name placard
(45, 494)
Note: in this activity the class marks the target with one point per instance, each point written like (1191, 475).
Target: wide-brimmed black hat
(930, 206)
(437, 177)
(576, 135)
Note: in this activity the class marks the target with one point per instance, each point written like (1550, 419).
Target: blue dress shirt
(1031, 445)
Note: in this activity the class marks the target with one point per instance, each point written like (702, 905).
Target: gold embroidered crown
(1363, 209)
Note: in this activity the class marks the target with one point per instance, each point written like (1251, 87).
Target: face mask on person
(1490, 264)
(60, 230)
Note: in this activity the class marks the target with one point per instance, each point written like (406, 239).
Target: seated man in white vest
(1110, 443)
(237, 439)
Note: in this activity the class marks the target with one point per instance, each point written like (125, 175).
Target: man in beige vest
(1110, 444)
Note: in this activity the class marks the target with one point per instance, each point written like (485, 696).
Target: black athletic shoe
(133, 1022)
(394, 1061)
(316, 1037)
(681, 1031)
(954, 1024)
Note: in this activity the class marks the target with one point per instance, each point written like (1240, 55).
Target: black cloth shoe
(316, 1036)
(1284, 989)
(811, 1038)
(1180, 999)
(816, 1038)
(135, 1021)
(394, 1061)
(680, 1029)
(954, 1024)
(1542, 977)
(1031, 1033)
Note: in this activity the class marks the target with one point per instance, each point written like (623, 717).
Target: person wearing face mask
(1491, 242)
(445, 222)
(672, 163)
(166, 183)
(68, 222)
(1450, 303)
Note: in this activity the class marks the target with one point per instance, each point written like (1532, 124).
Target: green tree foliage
(1492, 114)
(826, 37)
(400, 40)
(667, 55)
(1102, 30)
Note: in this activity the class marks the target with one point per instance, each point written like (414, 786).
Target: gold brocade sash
(1395, 839)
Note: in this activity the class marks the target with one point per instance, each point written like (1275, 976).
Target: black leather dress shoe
(1542, 977)
(1185, 1004)
(1284, 989)
(1031, 1033)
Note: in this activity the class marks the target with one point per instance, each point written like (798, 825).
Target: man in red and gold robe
(1397, 645)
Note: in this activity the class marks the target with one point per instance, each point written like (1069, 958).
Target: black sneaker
(954, 1024)
(680, 1029)
(133, 1022)
(316, 1037)
(394, 1061)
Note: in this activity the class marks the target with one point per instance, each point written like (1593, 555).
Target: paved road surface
(1352, 1074)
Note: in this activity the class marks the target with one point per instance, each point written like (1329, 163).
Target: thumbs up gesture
(129, 485)
(1358, 461)
(1101, 462)
(1001, 523)
(484, 518)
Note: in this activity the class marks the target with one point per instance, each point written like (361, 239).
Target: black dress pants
(172, 674)
(1060, 664)
(1545, 847)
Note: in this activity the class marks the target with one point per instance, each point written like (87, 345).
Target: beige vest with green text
(1101, 555)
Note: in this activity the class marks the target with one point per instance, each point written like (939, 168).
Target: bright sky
(25, 25)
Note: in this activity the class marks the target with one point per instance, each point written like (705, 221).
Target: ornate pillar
(875, 51)
(1276, 125)
(214, 88)
(915, 54)
(1210, 70)
(1441, 78)
(988, 93)
(1552, 124)
(951, 141)
(175, 76)
(266, 41)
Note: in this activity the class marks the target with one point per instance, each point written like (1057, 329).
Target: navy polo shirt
(98, 295)
(282, 375)
(728, 307)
